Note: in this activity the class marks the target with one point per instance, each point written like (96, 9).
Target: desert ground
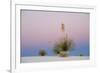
(51, 58)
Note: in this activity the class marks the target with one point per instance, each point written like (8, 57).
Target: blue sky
(78, 49)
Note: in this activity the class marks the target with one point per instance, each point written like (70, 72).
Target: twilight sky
(41, 29)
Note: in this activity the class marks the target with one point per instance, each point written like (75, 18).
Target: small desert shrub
(81, 55)
(42, 52)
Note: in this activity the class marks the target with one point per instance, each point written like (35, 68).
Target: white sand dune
(51, 58)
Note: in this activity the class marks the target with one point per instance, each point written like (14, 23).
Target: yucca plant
(63, 46)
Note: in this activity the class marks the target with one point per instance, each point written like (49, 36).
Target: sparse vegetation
(81, 55)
